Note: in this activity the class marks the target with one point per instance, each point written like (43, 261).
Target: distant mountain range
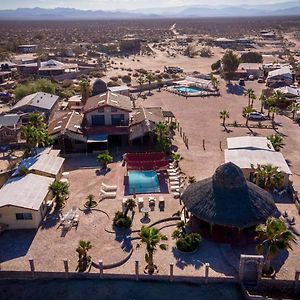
(194, 11)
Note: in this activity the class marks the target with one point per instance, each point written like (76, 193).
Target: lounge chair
(140, 203)
(107, 195)
(174, 178)
(152, 201)
(172, 170)
(161, 203)
(174, 188)
(109, 188)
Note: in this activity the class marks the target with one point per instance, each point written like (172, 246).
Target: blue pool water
(143, 182)
(188, 89)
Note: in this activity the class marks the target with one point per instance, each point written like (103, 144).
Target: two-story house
(106, 118)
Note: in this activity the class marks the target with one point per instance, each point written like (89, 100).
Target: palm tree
(268, 177)
(90, 200)
(278, 97)
(163, 132)
(130, 206)
(276, 141)
(83, 258)
(151, 237)
(215, 82)
(273, 110)
(263, 100)
(60, 191)
(224, 114)
(294, 107)
(36, 120)
(246, 112)
(150, 78)
(104, 159)
(250, 94)
(274, 237)
(176, 158)
(85, 90)
(141, 80)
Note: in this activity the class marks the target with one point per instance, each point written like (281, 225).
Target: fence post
(297, 277)
(171, 272)
(101, 268)
(31, 264)
(137, 269)
(66, 266)
(206, 272)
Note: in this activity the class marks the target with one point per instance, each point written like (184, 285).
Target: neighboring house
(46, 163)
(75, 103)
(268, 34)
(47, 68)
(10, 128)
(122, 90)
(40, 102)
(23, 201)
(249, 152)
(27, 48)
(254, 69)
(289, 91)
(67, 132)
(280, 77)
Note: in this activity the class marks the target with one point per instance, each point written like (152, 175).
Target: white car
(256, 116)
(251, 77)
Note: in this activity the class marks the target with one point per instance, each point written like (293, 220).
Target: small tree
(130, 206)
(150, 78)
(274, 111)
(250, 94)
(104, 159)
(215, 82)
(141, 80)
(84, 260)
(224, 114)
(85, 89)
(276, 141)
(294, 107)
(274, 237)
(60, 191)
(263, 100)
(151, 237)
(246, 112)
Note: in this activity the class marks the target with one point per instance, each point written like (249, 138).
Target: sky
(122, 4)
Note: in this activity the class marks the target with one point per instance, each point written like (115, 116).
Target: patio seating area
(69, 220)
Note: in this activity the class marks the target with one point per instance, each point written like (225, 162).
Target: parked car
(261, 79)
(256, 116)
(251, 77)
(242, 82)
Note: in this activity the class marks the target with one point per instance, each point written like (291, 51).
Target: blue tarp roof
(97, 138)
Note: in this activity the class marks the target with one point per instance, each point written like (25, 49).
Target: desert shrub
(114, 78)
(66, 83)
(205, 52)
(126, 79)
(121, 220)
(112, 83)
(216, 66)
(189, 242)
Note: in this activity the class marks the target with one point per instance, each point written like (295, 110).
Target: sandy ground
(199, 118)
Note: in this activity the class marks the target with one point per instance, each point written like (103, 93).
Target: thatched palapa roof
(227, 199)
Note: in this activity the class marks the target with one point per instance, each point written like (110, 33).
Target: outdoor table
(70, 215)
(146, 211)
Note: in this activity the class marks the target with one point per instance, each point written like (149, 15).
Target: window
(101, 110)
(98, 120)
(113, 109)
(117, 120)
(24, 216)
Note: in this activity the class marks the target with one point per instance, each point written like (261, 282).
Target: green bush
(121, 220)
(189, 242)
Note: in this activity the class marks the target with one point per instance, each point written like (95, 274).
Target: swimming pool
(143, 182)
(188, 89)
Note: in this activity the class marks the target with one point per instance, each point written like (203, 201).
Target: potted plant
(90, 203)
(122, 220)
(104, 159)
